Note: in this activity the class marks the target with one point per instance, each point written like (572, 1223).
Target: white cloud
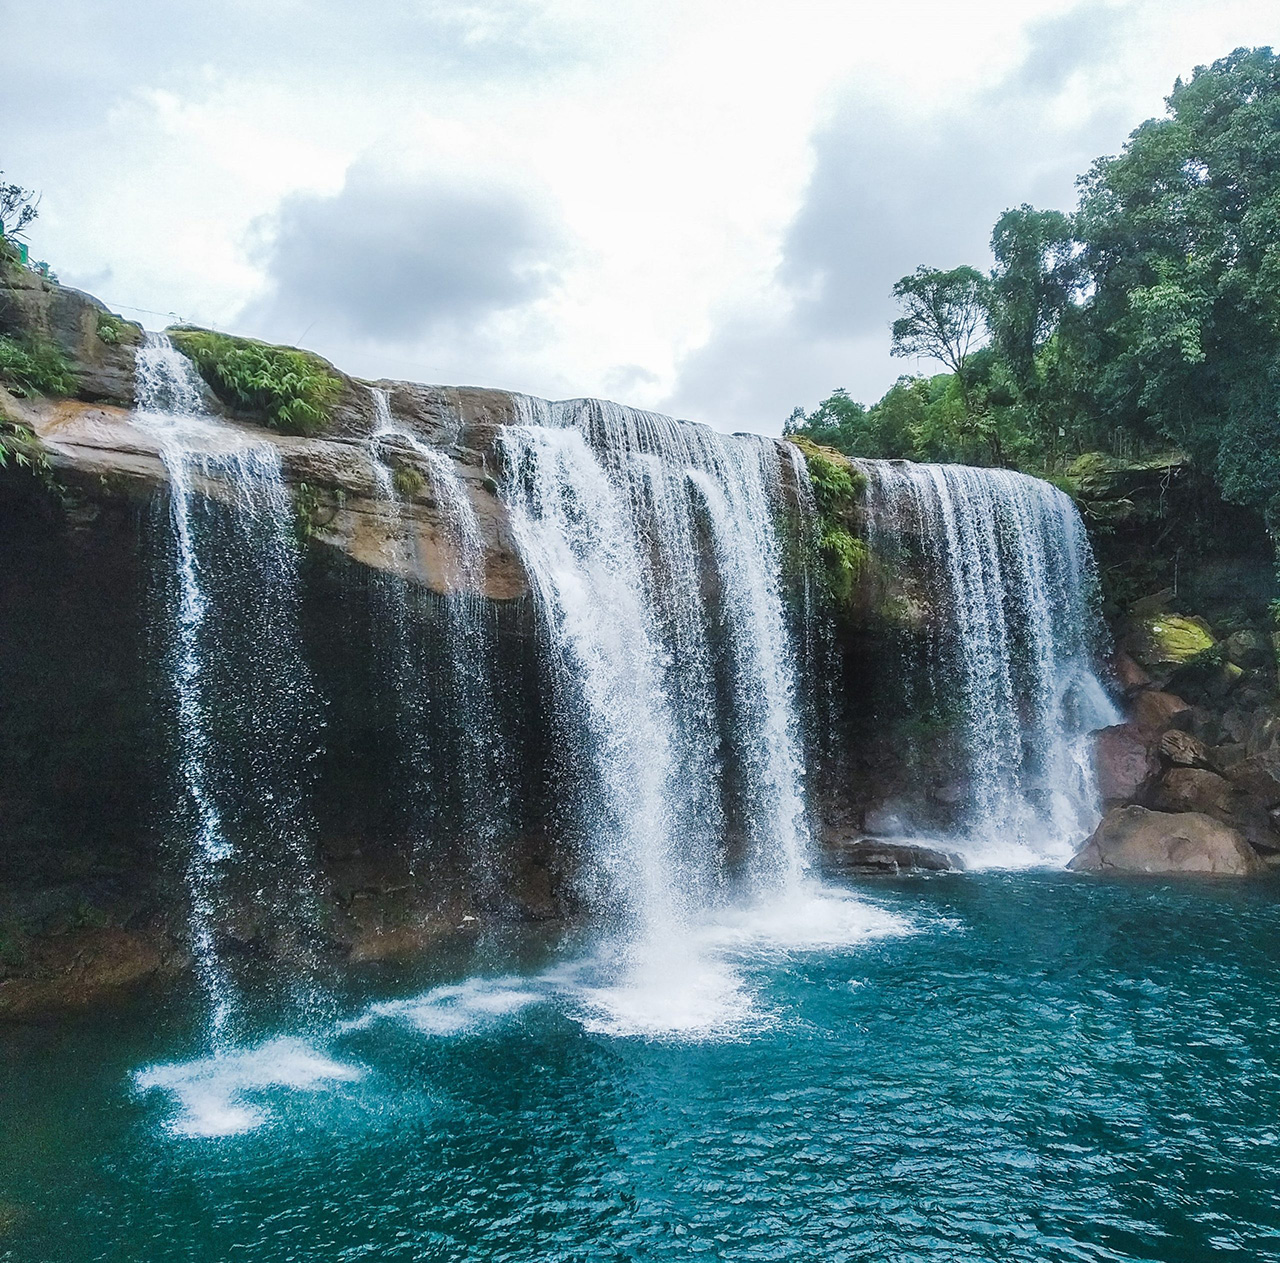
(698, 202)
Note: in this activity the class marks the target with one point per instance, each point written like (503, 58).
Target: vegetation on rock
(836, 487)
(34, 366)
(407, 481)
(293, 391)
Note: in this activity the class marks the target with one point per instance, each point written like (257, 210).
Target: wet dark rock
(1181, 749)
(1157, 711)
(1129, 675)
(880, 857)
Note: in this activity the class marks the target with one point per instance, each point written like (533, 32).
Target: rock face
(1125, 763)
(881, 857)
(1135, 840)
(93, 443)
(98, 344)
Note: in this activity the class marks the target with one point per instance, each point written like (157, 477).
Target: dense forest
(1147, 320)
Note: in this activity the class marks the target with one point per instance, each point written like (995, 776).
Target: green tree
(944, 316)
(1038, 272)
(18, 208)
(1181, 238)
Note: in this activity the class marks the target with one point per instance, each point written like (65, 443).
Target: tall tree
(1182, 241)
(1038, 273)
(18, 207)
(944, 315)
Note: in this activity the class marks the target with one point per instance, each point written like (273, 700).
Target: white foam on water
(457, 1009)
(220, 1095)
(809, 917)
(703, 987)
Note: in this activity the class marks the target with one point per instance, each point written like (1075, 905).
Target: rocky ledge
(96, 447)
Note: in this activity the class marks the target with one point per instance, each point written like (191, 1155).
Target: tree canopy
(1147, 318)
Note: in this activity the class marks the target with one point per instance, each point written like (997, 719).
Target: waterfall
(655, 560)
(464, 746)
(1012, 635)
(244, 711)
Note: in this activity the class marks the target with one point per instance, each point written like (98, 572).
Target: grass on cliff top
(837, 484)
(292, 391)
(33, 366)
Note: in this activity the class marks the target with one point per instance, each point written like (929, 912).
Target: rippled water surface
(1005, 1067)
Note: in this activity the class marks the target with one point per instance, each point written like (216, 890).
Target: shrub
(293, 391)
(407, 481)
(33, 366)
(315, 507)
(109, 328)
(836, 486)
(845, 557)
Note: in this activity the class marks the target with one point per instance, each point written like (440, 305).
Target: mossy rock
(1098, 476)
(1171, 640)
(837, 484)
(292, 391)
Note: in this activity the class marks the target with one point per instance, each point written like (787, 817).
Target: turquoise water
(1004, 1067)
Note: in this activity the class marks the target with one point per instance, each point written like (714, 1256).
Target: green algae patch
(290, 390)
(1171, 640)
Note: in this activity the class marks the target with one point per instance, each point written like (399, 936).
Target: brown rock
(1181, 749)
(1191, 789)
(1158, 711)
(84, 968)
(1196, 789)
(1135, 840)
(873, 857)
(1259, 777)
(1124, 761)
(1129, 675)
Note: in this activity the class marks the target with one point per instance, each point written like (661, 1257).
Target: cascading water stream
(1012, 641)
(653, 551)
(245, 714)
(476, 759)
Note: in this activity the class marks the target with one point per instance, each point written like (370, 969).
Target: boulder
(1227, 756)
(1259, 777)
(1124, 761)
(1129, 675)
(1163, 643)
(1248, 649)
(1200, 790)
(877, 857)
(1181, 749)
(1136, 840)
(1156, 711)
(1191, 789)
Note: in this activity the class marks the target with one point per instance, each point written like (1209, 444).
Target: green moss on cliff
(293, 391)
(408, 481)
(836, 484)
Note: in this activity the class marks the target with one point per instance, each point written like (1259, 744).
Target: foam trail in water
(1013, 637)
(223, 1095)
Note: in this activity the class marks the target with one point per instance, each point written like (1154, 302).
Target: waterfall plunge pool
(1015, 1066)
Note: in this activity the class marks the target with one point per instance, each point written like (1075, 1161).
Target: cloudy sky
(692, 205)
